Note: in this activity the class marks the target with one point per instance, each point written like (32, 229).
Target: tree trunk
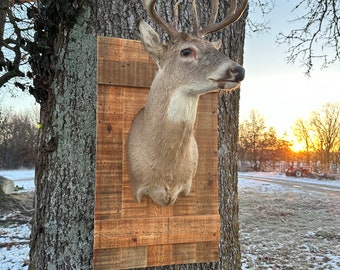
(62, 232)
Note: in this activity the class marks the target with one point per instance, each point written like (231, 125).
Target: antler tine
(175, 20)
(214, 11)
(149, 5)
(195, 17)
(233, 15)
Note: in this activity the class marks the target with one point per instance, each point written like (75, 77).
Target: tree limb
(12, 45)
(317, 41)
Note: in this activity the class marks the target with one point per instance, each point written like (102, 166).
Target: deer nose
(238, 73)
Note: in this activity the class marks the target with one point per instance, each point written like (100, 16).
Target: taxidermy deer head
(162, 152)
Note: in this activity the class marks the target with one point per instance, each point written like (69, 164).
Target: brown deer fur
(162, 152)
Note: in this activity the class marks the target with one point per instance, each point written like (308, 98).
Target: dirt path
(289, 230)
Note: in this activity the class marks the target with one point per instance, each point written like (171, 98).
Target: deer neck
(170, 118)
(182, 107)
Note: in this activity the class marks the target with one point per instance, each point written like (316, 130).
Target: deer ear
(151, 41)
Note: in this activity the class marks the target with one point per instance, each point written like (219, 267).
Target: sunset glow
(297, 147)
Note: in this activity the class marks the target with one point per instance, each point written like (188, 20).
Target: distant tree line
(261, 149)
(18, 139)
(260, 146)
(320, 134)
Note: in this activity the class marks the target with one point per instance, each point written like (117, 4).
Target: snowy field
(267, 213)
(15, 257)
(289, 227)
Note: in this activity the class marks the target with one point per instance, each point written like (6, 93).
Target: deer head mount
(162, 152)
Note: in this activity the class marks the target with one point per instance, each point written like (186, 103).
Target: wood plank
(201, 251)
(206, 136)
(184, 253)
(121, 49)
(159, 255)
(132, 74)
(156, 231)
(110, 145)
(120, 258)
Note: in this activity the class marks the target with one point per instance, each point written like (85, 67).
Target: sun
(297, 147)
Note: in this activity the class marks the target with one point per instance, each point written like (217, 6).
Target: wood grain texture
(129, 234)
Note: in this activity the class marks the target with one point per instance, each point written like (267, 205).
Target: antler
(233, 15)
(171, 29)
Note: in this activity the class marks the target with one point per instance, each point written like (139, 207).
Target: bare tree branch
(263, 7)
(317, 41)
(14, 32)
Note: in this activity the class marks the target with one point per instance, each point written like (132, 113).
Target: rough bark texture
(228, 122)
(62, 233)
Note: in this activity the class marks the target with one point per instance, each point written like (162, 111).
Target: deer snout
(228, 77)
(237, 73)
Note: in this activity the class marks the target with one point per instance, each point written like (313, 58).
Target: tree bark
(62, 232)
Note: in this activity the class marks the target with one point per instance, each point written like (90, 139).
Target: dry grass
(289, 230)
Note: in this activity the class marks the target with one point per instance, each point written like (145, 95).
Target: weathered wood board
(128, 234)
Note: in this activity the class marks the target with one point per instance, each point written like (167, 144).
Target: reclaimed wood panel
(156, 231)
(128, 234)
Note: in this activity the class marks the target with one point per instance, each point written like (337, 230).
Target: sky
(280, 92)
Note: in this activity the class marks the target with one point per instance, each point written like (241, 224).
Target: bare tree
(263, 8)
(326, 126)
(18, 137)
(16, 31)
(260, 144)
(4, 135)
(317, 34)
(302, 132)
(251, 134)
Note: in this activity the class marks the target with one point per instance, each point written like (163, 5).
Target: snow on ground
(275, 175)
(244, 183)
(16, 257)
(288, 227)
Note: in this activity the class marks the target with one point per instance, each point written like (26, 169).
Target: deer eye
(186, 52)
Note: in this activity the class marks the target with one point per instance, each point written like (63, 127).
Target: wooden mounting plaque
(128, 234)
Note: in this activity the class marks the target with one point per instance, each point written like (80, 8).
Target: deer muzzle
(230, 78)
